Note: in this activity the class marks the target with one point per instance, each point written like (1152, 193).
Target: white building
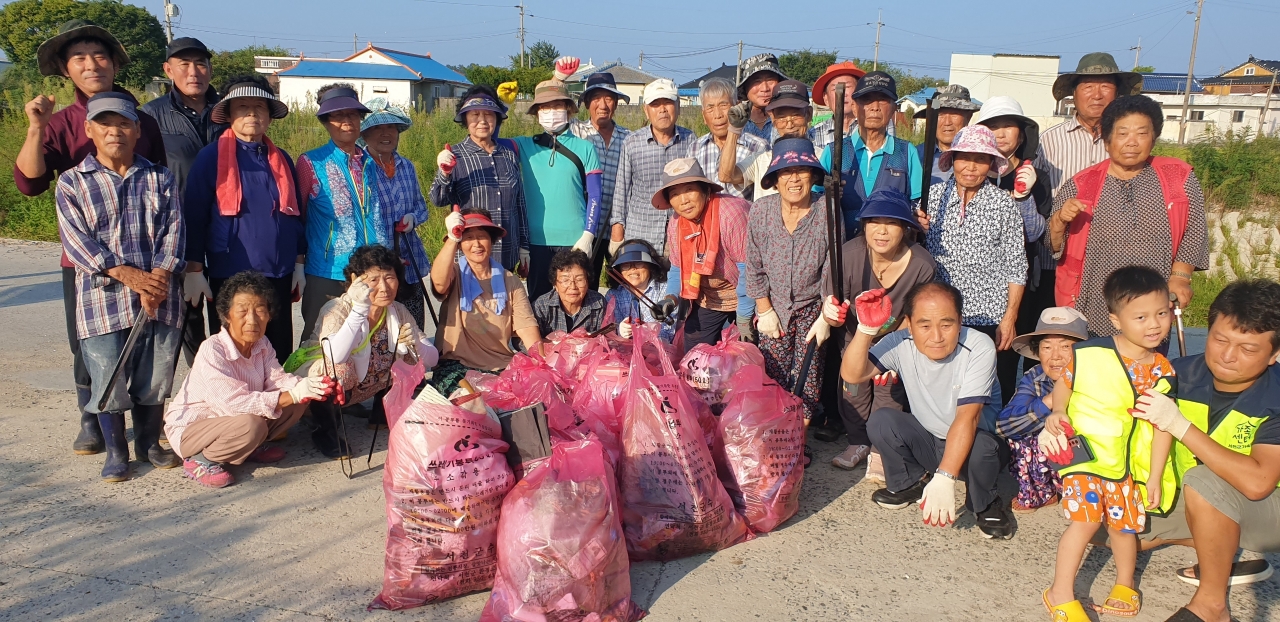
(1218, 114)
(402, 78)
(1026, 78)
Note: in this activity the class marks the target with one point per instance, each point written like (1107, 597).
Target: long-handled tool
(658, 312)
(339, 398)
(426, 295)
(930, 147)
(139, 324)
(1177, 318)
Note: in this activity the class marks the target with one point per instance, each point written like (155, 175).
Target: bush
(1234, 169)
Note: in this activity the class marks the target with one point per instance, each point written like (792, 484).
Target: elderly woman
(237, 396)
(403, 207)
(484, 171)
(1022, 419)
(706, 242)
(888, 257)
(484, 304)
(975, 233)
(242, 209)
(1131, 209)
(366, 331)
(339, 195)
(787, 259)
(646, 271)
(573, 303)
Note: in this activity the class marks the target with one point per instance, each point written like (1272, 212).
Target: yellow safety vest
(1237, 430)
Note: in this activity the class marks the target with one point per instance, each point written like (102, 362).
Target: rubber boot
(147, 421)
(116, 468)
(89, 441)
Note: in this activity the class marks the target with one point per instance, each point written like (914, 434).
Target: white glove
(939, 501)
(310, 388)
(299, 280)
(1024, 179)
(195, 288)
(453, 225)
(1162, 413)
(769, 324)
(614, 246)
(524, 258)
(359, 295)
(405, 224)
(624, 329)
(835, 314)
(820, 330)
(584, 242)
(1054, 445)
(446, 161)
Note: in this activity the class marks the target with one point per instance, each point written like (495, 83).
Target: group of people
(1034, 249)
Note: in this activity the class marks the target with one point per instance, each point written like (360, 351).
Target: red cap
(847, 68)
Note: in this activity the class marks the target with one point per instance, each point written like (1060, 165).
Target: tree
(25, 24)
(485, 74)
(542, 54)
(1145, 69)
(806, 65)
(908, 82)
(230, 63)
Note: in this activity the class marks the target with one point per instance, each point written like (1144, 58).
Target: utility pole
(641, 65)
(875, 64)
(1137, 53)
(355, 43)
(1266, 105)
(737, 79)
(521, 7)
(170, 12)
(1191, 68)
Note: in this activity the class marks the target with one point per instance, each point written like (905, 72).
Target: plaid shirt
(1025, 413)
(639, 176)
(708, 156)
(402, 195)
(551, 316)
(609, 159)
(108, 221)
(491, 181)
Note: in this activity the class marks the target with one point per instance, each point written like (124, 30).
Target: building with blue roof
(402, 78)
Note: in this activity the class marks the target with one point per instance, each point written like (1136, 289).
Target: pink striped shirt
(223, 383)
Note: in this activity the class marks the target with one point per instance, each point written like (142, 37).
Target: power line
(702, 33)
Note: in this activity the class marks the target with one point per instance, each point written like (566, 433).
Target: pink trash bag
(708, 368)
(560, 550)
(444, 480)
(673, 505)
(565, 352)
(404, 379)
(761, 461)
(526, 381)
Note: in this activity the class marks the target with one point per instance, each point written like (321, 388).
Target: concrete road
(297, 540)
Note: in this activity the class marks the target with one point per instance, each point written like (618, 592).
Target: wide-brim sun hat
(975, 139)
(847, 68)
(549, 91)
(1093, 65)
(634, 253)
(246, 89)
(480, 101)
(790, 153)
(758, 64)
(1053, 322)
(49, 54)
(1003, 106)
(341, 98)
(889, 203)
(681, 171)
(601, 82)
(479, 221)
(381, 112)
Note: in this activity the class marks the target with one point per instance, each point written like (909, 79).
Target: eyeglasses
(566, 281)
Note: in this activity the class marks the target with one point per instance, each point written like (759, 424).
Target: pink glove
(1024, 179)
(566, 66)
(874, 309)
(835, 313)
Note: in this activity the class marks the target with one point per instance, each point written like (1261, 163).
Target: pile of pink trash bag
(650, 459)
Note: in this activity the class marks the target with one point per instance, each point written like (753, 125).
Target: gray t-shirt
(936, 388)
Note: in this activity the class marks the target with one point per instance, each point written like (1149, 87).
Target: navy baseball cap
(789, 94)
(877, 82)
(111, 101)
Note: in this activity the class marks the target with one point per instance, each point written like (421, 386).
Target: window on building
(1197, 115)
(379, 89)
(1248, 71)
(269, 63)
(1237, 116)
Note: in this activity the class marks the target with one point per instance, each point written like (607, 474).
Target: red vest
(1173, 174)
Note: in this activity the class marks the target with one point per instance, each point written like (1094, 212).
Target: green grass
(1205, 289)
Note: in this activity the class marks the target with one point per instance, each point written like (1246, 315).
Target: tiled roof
(622, 74)
(728, 72)
(429, 68)
(1169, 83)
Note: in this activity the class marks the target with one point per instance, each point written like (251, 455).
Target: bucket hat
(788, 94)
(602, 81)
(681, 171)
(247, 89)
(1002, 106)
(479, 221)
(975, 139)
(877, 82)
(952, 96)
(889, 203)
(635, 253)
(549, 91)
(341, 98)
(1053, 322)
(480, 101)
(49, 54)
(1097, 64)
(847, 68)
(789, 153)
(760, 63)
(381, 112)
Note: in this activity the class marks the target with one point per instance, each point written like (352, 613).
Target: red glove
(835, 312)
(1024, 179)
(874, 309)
(445, 160)
(566, 66)
(339, 396)
(885, 379)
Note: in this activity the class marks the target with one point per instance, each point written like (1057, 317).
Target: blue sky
(683, 39)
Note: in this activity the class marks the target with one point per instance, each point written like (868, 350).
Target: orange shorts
(1091, 499)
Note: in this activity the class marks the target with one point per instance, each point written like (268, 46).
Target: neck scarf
(699, 245)
(471, 285)
(229, 192)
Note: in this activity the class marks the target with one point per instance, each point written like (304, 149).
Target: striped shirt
(108, 221)
(491, 181)
(401, 195)
(1067, 149)
(223, 383)
(640, 176)
(609, 157)
(708, 156)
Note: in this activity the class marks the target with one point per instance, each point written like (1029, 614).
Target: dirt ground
(297, 540)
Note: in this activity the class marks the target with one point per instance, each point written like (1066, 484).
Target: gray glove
(738, 117)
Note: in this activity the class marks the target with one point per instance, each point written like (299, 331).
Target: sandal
(1242, 573)
(1123, 594)
(1066, 612)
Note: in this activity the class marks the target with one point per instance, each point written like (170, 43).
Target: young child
(641, 265)
(1093, 400)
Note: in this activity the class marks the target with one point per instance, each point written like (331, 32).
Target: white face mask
(553, 121)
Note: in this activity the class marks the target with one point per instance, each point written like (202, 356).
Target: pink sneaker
(875, 468)
(209, 474)
(267, 454)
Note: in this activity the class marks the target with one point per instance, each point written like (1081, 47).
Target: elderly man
(644, 154)
(121, 226)
(789, 114)
(824, 94)
(955, 109)
(184, 118)
(600, 96)
(90, 57)
(1228, 455)
(759, 75)
(718, 95)
(949, 373)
